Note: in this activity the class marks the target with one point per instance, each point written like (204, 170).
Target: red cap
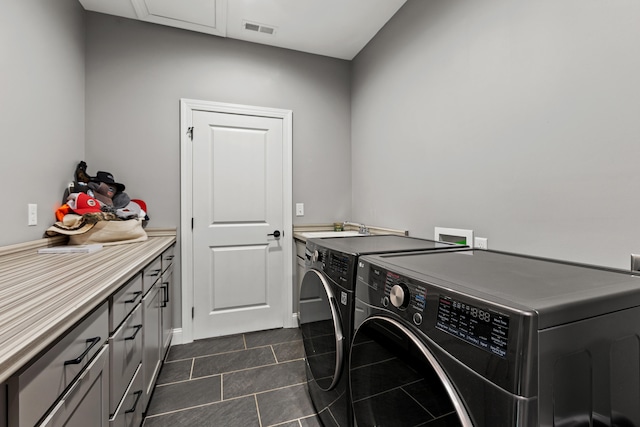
(83, 204)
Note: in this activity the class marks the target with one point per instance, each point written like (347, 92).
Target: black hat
(107, 178)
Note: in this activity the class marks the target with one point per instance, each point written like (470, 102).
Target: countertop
(299, 231)
(43, 295)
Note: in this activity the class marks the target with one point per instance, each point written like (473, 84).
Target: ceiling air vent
(259, 28)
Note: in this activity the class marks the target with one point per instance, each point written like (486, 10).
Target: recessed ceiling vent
(259, 28)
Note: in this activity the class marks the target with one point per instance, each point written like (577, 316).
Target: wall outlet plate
(480, 243)
(635, 262)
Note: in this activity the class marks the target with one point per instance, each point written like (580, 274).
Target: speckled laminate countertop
(43, 295)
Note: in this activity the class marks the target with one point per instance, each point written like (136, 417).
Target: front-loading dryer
(483, 338)
(325, 313)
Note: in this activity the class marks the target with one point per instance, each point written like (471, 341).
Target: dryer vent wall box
(454, 235)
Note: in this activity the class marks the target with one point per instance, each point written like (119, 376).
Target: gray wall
(41, 109)
(137, 73)
(519, 120)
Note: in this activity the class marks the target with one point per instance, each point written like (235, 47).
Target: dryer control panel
(429, 307)
(481, 327)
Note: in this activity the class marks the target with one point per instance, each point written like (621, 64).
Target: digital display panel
(486, 329)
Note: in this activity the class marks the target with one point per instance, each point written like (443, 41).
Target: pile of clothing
(97, 210)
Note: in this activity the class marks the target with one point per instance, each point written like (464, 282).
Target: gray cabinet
(166, 309)
(157, 319)
(129, 413)
(299, 273)
(62, 370)
(151, 336)
(3, 405)
(126, 356)
(101, 372)
(84, 404)
(126, 330)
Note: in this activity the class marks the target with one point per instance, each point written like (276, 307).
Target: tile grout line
(255, 399)
(201, 405)
(269, 390)
(193, 362)
(221, 388)
(200, 356)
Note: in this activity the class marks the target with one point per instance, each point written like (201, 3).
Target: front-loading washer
(484, 338)
(325, 313)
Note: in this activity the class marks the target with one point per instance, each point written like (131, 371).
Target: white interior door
(238, 264)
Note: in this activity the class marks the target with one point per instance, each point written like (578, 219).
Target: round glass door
(321, 331)
(396, 381)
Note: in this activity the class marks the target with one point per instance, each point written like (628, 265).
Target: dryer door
(322, 332)
(396, 381)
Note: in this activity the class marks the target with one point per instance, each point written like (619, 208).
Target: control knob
(317, 256)
(400, 295)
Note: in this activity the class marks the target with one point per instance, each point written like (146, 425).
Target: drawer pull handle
(169, 258)
(135, 297)
(166, 293)
(155, 273)
(138, 394)
(78, 359)
(133, 337)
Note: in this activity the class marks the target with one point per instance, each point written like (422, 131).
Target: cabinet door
(151, 334)
(129, 413)
(125, 356)
(3, 405)
(87, 401)
(166, 311)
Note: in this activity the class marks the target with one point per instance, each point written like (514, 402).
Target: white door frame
(187, 106)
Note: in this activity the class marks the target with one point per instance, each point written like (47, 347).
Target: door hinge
(190, 133)
(193, 312)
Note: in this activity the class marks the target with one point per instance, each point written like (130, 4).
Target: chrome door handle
(275, 234)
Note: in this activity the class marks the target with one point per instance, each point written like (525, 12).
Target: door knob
(275, 234)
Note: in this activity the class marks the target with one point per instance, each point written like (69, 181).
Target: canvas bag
(111, 233)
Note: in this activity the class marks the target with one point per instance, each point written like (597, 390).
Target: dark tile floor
(254, 379)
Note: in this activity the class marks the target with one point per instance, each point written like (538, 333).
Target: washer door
(322, 331)
(396, 381)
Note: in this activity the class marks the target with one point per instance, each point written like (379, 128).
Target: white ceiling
(336, 28)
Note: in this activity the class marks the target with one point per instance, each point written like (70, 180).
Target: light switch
(299, 209)
(33, 214)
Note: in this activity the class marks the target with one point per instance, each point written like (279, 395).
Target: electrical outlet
(299, 209)
(33, 214)
(635, 262)
(480, 243)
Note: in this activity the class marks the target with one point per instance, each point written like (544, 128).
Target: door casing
(187, 106)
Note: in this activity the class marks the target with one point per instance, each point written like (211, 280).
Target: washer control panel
(338, 266)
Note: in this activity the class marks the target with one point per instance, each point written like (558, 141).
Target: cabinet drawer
(84, 404)
(167, 258)
(40, 385)
(300, 246)
(129, 413)
(151, 274)
(125, 356)
(124, 301)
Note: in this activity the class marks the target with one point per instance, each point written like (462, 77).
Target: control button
(417, 319)
(400, 295)
(385, 301)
